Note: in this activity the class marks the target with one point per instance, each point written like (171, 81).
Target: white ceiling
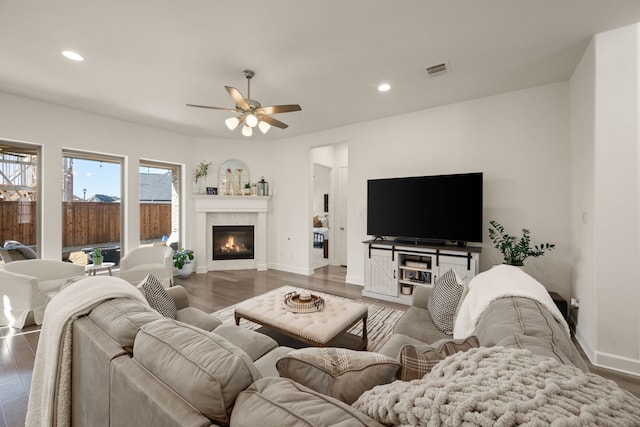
(146, 59)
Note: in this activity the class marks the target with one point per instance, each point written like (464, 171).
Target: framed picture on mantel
(212, 191)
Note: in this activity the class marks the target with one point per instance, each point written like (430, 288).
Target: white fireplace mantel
(205, 205)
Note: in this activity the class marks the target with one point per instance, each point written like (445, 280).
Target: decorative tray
(296, 303)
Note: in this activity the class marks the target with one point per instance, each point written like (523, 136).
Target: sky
(100, 177)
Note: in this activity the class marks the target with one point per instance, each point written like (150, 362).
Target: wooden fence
(18, 222)
(83, 223)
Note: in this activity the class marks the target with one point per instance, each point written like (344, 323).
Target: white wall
(605, 143)
(520, 140)
(56, 128)
(582, 107)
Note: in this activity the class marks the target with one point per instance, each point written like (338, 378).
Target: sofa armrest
(179, 296)
(421, 296)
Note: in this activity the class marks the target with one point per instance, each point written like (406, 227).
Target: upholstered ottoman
(321, 328)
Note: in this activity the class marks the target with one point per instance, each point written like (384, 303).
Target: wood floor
(209, 292)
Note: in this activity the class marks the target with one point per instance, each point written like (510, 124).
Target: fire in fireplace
(232, 242)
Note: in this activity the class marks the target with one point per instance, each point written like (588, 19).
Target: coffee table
(323, 328)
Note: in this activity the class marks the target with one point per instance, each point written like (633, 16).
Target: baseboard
(354, 280)
(612, 362)
(292, 269)
(617, 363)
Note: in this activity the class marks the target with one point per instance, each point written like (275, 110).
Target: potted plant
(200, 175)
(182, 261)
(515, 250)
(96, 256)
(247, 189)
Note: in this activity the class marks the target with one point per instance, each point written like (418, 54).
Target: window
(160, 203)
(19, 175)
(91, 208)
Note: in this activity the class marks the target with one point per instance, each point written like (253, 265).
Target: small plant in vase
(515, 250)
(96, 256)
(200, 175)
(182, 261)
(247, 189)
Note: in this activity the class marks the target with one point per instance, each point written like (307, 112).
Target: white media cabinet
(392, 269)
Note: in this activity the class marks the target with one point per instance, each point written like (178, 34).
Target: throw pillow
(337, 372)
(417, 361)
(446, 297)
(157, 297)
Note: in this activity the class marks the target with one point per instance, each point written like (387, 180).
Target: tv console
(394, 268)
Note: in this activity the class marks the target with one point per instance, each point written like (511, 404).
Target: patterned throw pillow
(157, 297)
(445, 300)
(417, 361)
(337, 372)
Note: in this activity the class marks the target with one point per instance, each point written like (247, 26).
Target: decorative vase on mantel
(199, 186)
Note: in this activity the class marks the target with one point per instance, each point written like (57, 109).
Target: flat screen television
(426, 209)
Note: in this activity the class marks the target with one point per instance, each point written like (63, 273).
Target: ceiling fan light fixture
(232, 122)
(264, 126)
(247, 131)
(251, 120)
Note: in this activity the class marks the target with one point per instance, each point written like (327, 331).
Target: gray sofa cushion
(277, 402)
(203, 368)
(253, 343)
(511, 317)
(417, 323)
(120, 318)
(199, 318)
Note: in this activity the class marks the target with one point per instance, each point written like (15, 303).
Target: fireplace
(232, 242)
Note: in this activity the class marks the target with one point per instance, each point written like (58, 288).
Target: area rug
(380, 321)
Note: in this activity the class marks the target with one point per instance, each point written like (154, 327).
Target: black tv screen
(429, 208)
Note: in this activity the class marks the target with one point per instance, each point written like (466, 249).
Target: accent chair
(24, 285)
(156, 260)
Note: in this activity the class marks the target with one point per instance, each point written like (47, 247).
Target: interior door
(342, 214)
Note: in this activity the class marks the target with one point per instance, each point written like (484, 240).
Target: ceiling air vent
(437, 69)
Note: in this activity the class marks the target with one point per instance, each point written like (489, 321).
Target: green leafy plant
(182, 257)
(96, 253)
(515, 250)
(202, 170)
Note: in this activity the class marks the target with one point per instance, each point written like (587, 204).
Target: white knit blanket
(50, 394)
(496, 386)
(501, 281)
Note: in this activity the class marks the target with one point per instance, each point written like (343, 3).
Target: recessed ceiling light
(384, 87)
(72, 55)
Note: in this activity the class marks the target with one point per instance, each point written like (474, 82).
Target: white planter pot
(185, 271)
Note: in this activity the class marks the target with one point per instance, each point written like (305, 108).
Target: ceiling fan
(252, 113)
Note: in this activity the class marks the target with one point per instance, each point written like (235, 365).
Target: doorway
(321, 229)
(328, 205)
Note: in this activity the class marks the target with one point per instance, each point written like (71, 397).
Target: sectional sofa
(133, 366)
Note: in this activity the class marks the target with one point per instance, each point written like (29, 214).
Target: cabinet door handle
(394, 274)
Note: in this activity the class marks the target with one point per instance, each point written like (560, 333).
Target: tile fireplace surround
(230, 210)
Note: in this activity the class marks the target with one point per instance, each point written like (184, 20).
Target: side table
(561, 303)
(92, 269)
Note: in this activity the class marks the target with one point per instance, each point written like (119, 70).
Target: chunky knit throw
(496, 386)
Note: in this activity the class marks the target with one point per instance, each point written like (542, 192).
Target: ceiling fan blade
(212, 108)
(238, 98)
(273, 122)
(274, 109)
